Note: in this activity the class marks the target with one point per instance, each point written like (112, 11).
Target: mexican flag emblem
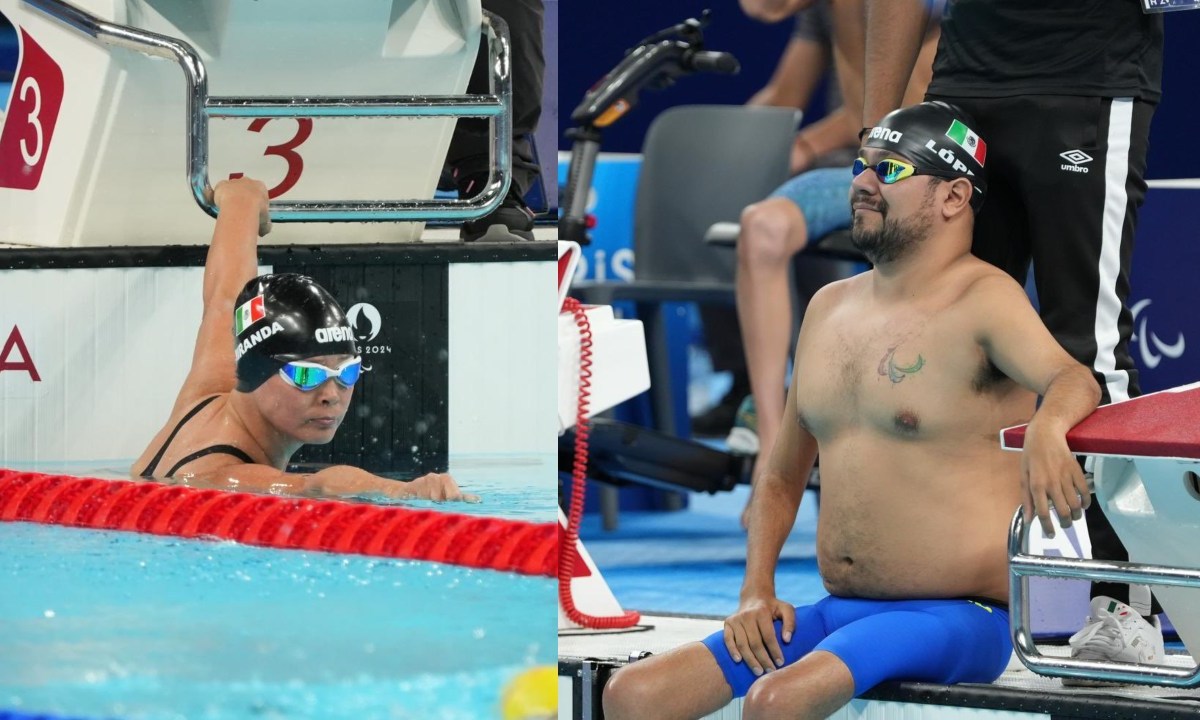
(968, 140)
(248, 314)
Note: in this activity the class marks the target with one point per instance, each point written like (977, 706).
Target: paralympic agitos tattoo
(894, 372)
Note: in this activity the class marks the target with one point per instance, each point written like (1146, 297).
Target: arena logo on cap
(334, 334)
(255, 338)
(882, 133)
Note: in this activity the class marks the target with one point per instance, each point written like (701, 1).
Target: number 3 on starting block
(37, 93)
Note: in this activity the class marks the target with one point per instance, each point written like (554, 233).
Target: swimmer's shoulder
(984, 283)
(835, 293)
(188, 414)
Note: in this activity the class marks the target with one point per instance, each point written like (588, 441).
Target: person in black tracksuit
(470, 146)
(1063, 94)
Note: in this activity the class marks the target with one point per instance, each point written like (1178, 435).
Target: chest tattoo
(896, 372)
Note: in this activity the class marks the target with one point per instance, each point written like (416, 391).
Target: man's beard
(893, 239)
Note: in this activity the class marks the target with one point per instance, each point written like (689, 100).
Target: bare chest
(911, 378)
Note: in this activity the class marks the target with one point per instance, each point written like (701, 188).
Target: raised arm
(750, 632)
(232, 262)
(1019, 344)
(894, 32)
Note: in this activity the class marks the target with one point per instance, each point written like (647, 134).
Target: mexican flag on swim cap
(248, 314)
(968, 140)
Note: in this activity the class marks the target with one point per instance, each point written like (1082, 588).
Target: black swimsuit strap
(149, 471)
(213, 450)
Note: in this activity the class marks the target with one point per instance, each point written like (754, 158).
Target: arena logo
(882, 133)
(333, 334)
(1150, 346)
(367, 323)
(255, 338)
(1077, 159)
(15, 345)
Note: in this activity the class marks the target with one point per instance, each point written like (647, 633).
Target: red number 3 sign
(37, 94)
(287, 151)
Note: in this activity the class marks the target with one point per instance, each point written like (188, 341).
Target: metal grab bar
(1022, 565)
(200, 107)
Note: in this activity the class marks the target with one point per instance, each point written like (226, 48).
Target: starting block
(1147, 479)
(105, 144)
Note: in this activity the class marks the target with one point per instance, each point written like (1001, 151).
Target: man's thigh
(810, 630)
(943, 641)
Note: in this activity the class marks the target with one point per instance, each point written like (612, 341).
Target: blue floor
(693, 561)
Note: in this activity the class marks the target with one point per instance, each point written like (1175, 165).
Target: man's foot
(512, 218)
(743, 437)
(1115, 632)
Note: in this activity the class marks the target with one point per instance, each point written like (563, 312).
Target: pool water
(105, 624)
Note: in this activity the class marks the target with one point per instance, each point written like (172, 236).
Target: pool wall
(460, 341)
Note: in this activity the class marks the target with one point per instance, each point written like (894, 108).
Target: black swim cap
(935, 136)
(285, 317)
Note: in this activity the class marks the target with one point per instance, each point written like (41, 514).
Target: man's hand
(750, 632)
(438, 487)
(245, 190)
(1050, 475)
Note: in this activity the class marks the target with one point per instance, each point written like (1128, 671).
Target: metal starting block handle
(201, 107)
(1022, 565)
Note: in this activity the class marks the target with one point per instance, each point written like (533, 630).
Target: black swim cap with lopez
(282, 318)
(935, 136)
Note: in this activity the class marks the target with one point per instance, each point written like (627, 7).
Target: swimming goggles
(308, 376)
(893, 171)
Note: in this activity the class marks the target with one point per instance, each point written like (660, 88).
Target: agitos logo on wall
(15, 356)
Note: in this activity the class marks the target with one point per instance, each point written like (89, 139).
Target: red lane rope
(566, 558)
(278, 522)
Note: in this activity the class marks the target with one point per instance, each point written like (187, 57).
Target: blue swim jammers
(941, 641)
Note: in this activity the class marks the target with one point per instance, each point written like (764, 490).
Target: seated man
(904, 376)
(283, 380)
(807, 207)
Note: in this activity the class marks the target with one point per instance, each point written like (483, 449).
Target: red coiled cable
(566, 558)
(288, 523)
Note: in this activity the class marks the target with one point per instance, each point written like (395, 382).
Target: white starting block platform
(123, 111)
(1147, 481)
(585, 662)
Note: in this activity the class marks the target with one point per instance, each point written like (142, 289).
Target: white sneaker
(1115, 632)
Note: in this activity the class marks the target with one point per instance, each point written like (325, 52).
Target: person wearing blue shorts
(904, 376)
(805, 208)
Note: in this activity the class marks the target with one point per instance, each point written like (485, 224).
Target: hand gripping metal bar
(1022, 565)
(200, 107)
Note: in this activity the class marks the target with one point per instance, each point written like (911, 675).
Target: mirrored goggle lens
(888, 171)
(308, 376)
